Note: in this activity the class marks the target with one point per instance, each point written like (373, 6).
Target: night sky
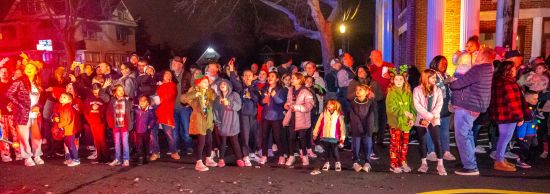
(168, 27)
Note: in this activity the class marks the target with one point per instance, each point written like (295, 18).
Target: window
(91, 31)
(7, 32)
(31, 7)
(122, 33)
(93, 57)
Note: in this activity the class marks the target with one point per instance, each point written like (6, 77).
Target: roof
(5, 6)
(94, 9)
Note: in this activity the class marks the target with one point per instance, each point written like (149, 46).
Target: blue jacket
(473, 90)
(249, 103)
(145, 119)
(273, 111)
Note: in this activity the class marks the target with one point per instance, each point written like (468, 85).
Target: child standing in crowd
(401, 116)
(465, 59)
(362, 124)
(331, 130)
(318, 92)
(428, 101)
(66, 122)
(201, 98)
(527, 133)
(249, 110)
(299, 104)
(226, 117)
(167, 92)
(6, 116)
(145, 121)
(121, 120)
(94, 112)
(273, 98)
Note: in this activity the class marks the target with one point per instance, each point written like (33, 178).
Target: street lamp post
(342, 30)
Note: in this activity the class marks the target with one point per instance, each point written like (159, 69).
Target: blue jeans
(73, 152)
(364, 143)
(443, 136)
(182, 117)
(476, 129)
(118, 137)
(171, 136)
(464, 136)
(505, 133)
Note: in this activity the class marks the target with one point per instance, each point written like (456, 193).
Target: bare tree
(66, 23)
(306, 18)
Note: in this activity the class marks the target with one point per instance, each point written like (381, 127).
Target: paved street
(167, 176)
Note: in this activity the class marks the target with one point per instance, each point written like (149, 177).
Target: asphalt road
(168, 176)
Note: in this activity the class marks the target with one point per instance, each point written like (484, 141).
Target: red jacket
(506, 101)
(67, 118)
(167, 93)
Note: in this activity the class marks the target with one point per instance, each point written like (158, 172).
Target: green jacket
(202, 118)
(397, 102)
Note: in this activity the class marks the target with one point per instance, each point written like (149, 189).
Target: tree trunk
(327, 45)
(69, 43)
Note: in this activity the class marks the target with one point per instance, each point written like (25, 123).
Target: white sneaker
(114, 163)
(367, 167)
(319, 149)
(290, 161)
(431, 157)
(126, 163)
(449, 156)
(263, 160)
(326, 166)
(511, 155)
(73, 163)
(210, 162)
(281, 160)
(199, 166)
(305, 160)
(38, 160)
(441, 170)
(311, 154)
(247, 162)
(29, 162)
(6, 158)
(406, 168)
(396, 170)
(357, 167)
(544, 155)
(337, 166)
(93, 156)
(274, 148)
(423, 168)
(480, 150)
(67, 162)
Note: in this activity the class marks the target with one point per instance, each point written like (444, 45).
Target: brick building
(421, 29)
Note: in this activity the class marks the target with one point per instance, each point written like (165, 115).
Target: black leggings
(202, 142)
(234, 145)
(331, 151)
(269, 127)
(292, 138)
(434, 134)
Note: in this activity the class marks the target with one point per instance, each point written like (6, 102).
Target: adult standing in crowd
(182, 111)
(107, 71)
(506, 110)
(24, 94)
(439, 65)
(145, 83)
(343, 77)
(379, 70)
(286, 67)
(471, 96)
(167, 93)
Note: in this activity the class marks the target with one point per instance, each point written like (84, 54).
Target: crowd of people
(280, 112)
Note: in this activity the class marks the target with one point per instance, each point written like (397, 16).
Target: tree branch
(299, 29)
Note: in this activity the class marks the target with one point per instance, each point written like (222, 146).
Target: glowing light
(15, 145)
(210, 50)
(342, 28)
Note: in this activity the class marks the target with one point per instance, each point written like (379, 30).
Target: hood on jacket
(229, 85)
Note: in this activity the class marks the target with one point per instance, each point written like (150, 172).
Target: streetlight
(210, 50)
(342, 28)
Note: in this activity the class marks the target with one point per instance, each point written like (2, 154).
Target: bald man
(379, 71)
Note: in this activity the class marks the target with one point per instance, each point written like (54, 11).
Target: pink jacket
(421, 104)
(303, 106)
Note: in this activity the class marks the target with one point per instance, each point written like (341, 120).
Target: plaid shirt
(507, 103)
(120, 114)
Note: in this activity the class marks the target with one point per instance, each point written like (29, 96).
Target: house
(414, 31)
(105, 31)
